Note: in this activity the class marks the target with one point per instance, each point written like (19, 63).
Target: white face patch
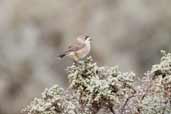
(87, 41)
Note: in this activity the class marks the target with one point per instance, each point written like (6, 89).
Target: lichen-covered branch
(96, 89)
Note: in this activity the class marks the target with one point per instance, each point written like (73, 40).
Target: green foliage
(93, 88)
(53, 101)
(100, 87)
(158, 99)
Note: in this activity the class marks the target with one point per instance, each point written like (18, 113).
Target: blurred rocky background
(128, 33)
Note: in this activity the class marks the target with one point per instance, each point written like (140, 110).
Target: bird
(78, 49)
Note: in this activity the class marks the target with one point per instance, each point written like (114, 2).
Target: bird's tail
(62, 55)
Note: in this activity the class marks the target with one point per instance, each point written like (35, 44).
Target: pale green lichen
(100, 87)
(53, 101)
(158, 97)
(93, 88)
(163, 71)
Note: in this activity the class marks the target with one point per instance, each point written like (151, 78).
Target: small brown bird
(78, 49)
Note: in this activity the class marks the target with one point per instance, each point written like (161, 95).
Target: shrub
(96, 89)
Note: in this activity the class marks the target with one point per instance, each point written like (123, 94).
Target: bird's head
(84, 39)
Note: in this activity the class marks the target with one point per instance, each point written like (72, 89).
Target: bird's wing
(76, 46)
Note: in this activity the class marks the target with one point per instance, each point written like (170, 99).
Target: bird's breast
(84, 51)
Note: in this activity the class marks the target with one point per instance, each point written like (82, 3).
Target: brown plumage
(78, 49)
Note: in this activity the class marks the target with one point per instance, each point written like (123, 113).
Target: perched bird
(79, 49)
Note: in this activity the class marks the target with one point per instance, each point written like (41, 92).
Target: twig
(111, 109)
(126, 102)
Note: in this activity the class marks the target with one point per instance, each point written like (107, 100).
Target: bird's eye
(86, 37)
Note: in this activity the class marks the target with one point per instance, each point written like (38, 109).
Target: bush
(96, 89)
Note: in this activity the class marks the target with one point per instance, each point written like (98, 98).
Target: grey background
(128, 33)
